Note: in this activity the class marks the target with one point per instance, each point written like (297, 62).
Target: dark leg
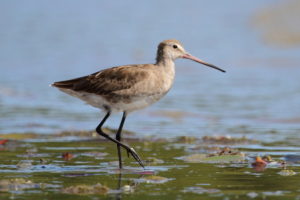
(118, 137)
(130, 150)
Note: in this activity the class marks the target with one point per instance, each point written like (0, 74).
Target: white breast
(97, 101)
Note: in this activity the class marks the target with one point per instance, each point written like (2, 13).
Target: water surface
(258, 98)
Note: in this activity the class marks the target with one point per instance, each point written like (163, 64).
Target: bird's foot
(131, 151)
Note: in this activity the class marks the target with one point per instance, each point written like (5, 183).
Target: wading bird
(129, 87)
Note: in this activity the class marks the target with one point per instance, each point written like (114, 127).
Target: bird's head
(173, 49)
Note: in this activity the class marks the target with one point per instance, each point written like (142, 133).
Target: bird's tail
(68, 84)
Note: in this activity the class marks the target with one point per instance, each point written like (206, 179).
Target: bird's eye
(175, 46)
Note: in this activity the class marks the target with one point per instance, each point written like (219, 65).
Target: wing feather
(108, 81)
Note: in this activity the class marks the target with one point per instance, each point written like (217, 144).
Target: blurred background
(257, 42)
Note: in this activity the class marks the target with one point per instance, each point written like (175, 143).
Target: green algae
(86, 189)
(203, 158)
(213, 173)
(155, 179)
(286, 172)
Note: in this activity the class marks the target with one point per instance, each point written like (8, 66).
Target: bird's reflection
(119, 194)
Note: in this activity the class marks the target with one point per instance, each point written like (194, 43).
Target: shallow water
(45, 42)
(36, 169)
(258, 97)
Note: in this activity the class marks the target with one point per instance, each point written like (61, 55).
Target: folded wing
(107, 81)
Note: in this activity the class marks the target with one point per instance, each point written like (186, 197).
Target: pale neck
(167, 66)
(162, 61)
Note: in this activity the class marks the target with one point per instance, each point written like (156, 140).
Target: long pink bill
(189, 56)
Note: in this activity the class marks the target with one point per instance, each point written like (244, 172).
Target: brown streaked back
(106, 81)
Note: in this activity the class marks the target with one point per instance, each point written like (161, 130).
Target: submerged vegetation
(81, 166)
